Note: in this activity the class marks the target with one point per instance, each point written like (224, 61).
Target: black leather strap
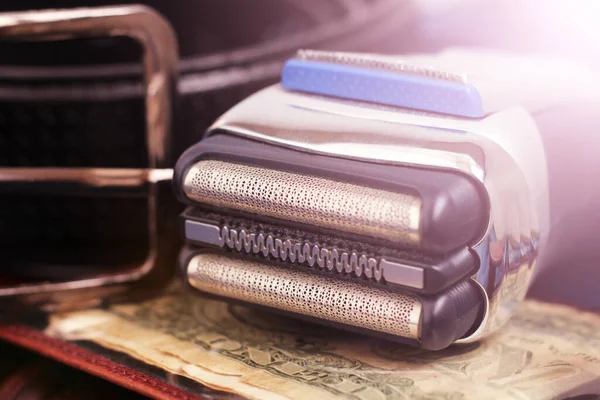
(80, 104)
(85, 95)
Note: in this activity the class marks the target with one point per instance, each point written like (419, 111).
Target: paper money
(547, 351)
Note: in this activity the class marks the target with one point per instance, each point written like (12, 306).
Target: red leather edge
(91, 363)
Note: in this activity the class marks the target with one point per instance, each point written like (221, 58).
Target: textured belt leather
(73, 104)
(80, 104)
(228, 49)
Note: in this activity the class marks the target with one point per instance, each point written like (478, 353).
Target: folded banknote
(547, 351)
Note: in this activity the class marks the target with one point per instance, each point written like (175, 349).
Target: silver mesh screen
(308, 294)
(385, 63)
(306, 199)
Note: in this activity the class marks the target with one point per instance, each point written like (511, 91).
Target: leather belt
(228, 50)
(86, 211)
(160, 65)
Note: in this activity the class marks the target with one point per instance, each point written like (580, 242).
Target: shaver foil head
(307, 294)
(306, 199)
(342, 205)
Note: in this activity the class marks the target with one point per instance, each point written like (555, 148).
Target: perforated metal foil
(307, 294)
(306, 199)
(385, 63)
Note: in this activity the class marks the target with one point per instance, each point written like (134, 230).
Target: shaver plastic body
(374, 195)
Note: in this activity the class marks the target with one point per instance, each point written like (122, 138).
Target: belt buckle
(157, 39)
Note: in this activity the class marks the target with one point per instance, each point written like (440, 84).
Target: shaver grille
(385, 63)
(307, 294)
(306, 199)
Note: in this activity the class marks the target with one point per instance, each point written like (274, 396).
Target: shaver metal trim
(474, 191)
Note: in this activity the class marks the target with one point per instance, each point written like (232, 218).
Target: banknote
(547, 351)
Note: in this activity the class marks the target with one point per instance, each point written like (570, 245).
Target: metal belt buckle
(158, 41)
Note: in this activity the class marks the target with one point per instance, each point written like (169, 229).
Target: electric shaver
(374, 194)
